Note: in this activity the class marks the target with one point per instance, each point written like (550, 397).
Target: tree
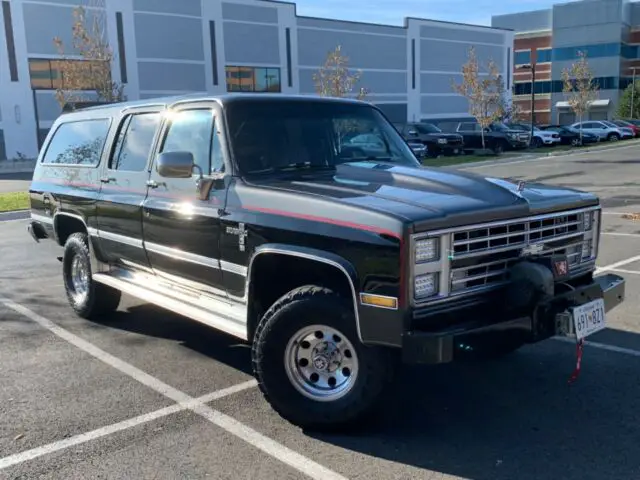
(579, 87)
(335, 79)
(89, 68)
(483, 87)
(624, 109)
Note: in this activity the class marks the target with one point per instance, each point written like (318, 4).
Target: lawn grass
(14, 201)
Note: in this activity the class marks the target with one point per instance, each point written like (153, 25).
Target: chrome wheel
(321, 363)
(79, 278)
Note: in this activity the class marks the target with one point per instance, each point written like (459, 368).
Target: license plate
(589, 318)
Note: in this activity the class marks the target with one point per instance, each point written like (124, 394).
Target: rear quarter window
(77, 143)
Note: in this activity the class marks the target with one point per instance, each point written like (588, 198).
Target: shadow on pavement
(513, 418)
(152, 321)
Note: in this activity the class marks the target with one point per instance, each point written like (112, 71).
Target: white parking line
(621, 234)
(602, 346)
(621, 270)
(118, 427)
(614, 266)
(295, 460)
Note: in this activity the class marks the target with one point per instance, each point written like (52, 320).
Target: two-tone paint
(355, 220)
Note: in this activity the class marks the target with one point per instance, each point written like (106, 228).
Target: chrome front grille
(482, 255)
(516, 235)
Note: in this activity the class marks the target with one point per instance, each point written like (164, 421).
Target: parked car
(602, 129)
(633, 121)
(627, 133)
(437, 141)
(540, 137)
(498, 137)
(244, 213)
(571, 136)
(420, 149)
(627, 125)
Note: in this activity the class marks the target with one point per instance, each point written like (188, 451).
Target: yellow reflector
(378, 301)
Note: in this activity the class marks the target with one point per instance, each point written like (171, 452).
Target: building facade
(168, 47)
(608, 31)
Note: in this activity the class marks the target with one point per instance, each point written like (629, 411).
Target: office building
(608, 31)
(167, 47)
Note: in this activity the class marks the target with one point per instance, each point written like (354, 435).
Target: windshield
(427, 128)
(276, 134)
(499, 127)
(609, 124)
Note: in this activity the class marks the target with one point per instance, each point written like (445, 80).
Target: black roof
(223, 99)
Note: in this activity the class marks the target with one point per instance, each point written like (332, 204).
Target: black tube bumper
(444, 346)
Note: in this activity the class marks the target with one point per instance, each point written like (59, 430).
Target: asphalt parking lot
(147, 394)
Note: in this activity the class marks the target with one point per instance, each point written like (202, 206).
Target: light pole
(532, 67)
(633, 89)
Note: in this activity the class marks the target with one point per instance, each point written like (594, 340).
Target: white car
(626, 131)
(544, 137)
(602, 129)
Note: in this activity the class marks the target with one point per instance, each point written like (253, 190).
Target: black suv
(260, 217)
(497, 137)
(436, 141)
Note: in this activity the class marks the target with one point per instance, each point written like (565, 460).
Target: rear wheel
(87, 298)
(499, 147)
(310, 364)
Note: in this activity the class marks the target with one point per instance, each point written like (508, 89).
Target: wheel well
(273, 275)
(66, 226)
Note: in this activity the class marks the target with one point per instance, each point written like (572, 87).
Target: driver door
(181, 230)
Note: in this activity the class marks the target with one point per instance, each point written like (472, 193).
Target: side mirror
(175, 164)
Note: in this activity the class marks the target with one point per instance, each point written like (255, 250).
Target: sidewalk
(17, 166)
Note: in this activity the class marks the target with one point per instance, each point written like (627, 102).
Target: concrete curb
(550, 155)
(14, 215)
(17, 166)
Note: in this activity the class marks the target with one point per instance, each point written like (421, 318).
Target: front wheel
(613, 137)
(311, 366)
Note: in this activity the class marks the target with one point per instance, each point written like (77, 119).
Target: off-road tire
(100, 299)
(499, 147)
(305, 306)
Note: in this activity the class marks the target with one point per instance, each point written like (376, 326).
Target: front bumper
(444, 345)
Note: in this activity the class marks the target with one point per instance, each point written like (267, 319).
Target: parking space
(147, 394)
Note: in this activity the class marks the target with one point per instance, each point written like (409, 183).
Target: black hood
(441, 197)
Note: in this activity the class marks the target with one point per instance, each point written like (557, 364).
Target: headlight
(442, 140)
(425, 285)
(426, 250)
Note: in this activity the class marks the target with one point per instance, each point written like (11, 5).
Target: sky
(393, 12)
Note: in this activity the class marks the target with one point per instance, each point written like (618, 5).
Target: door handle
(107, 179)
(152, 184)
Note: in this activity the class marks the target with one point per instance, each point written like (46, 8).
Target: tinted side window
(77, 143)
(193, 131)
(468, 127)
(134, 142)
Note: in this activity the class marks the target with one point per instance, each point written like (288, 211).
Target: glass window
(253, 79)
(522, 58)
(78, 143)
(135, 139)
(427, 128)
(192, 131)
(278, 134)
(217, 158)
(81, 74)
(543, 55)
(592, 51)
(468, 127)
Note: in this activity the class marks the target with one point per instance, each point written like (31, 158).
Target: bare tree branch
(92, 72)
(335, 79)
(483, 87)
(579, 87)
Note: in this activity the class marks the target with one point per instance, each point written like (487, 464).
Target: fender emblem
(534, 249)
(242, 235)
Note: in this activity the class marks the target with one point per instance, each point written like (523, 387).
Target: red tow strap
(576, 372)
